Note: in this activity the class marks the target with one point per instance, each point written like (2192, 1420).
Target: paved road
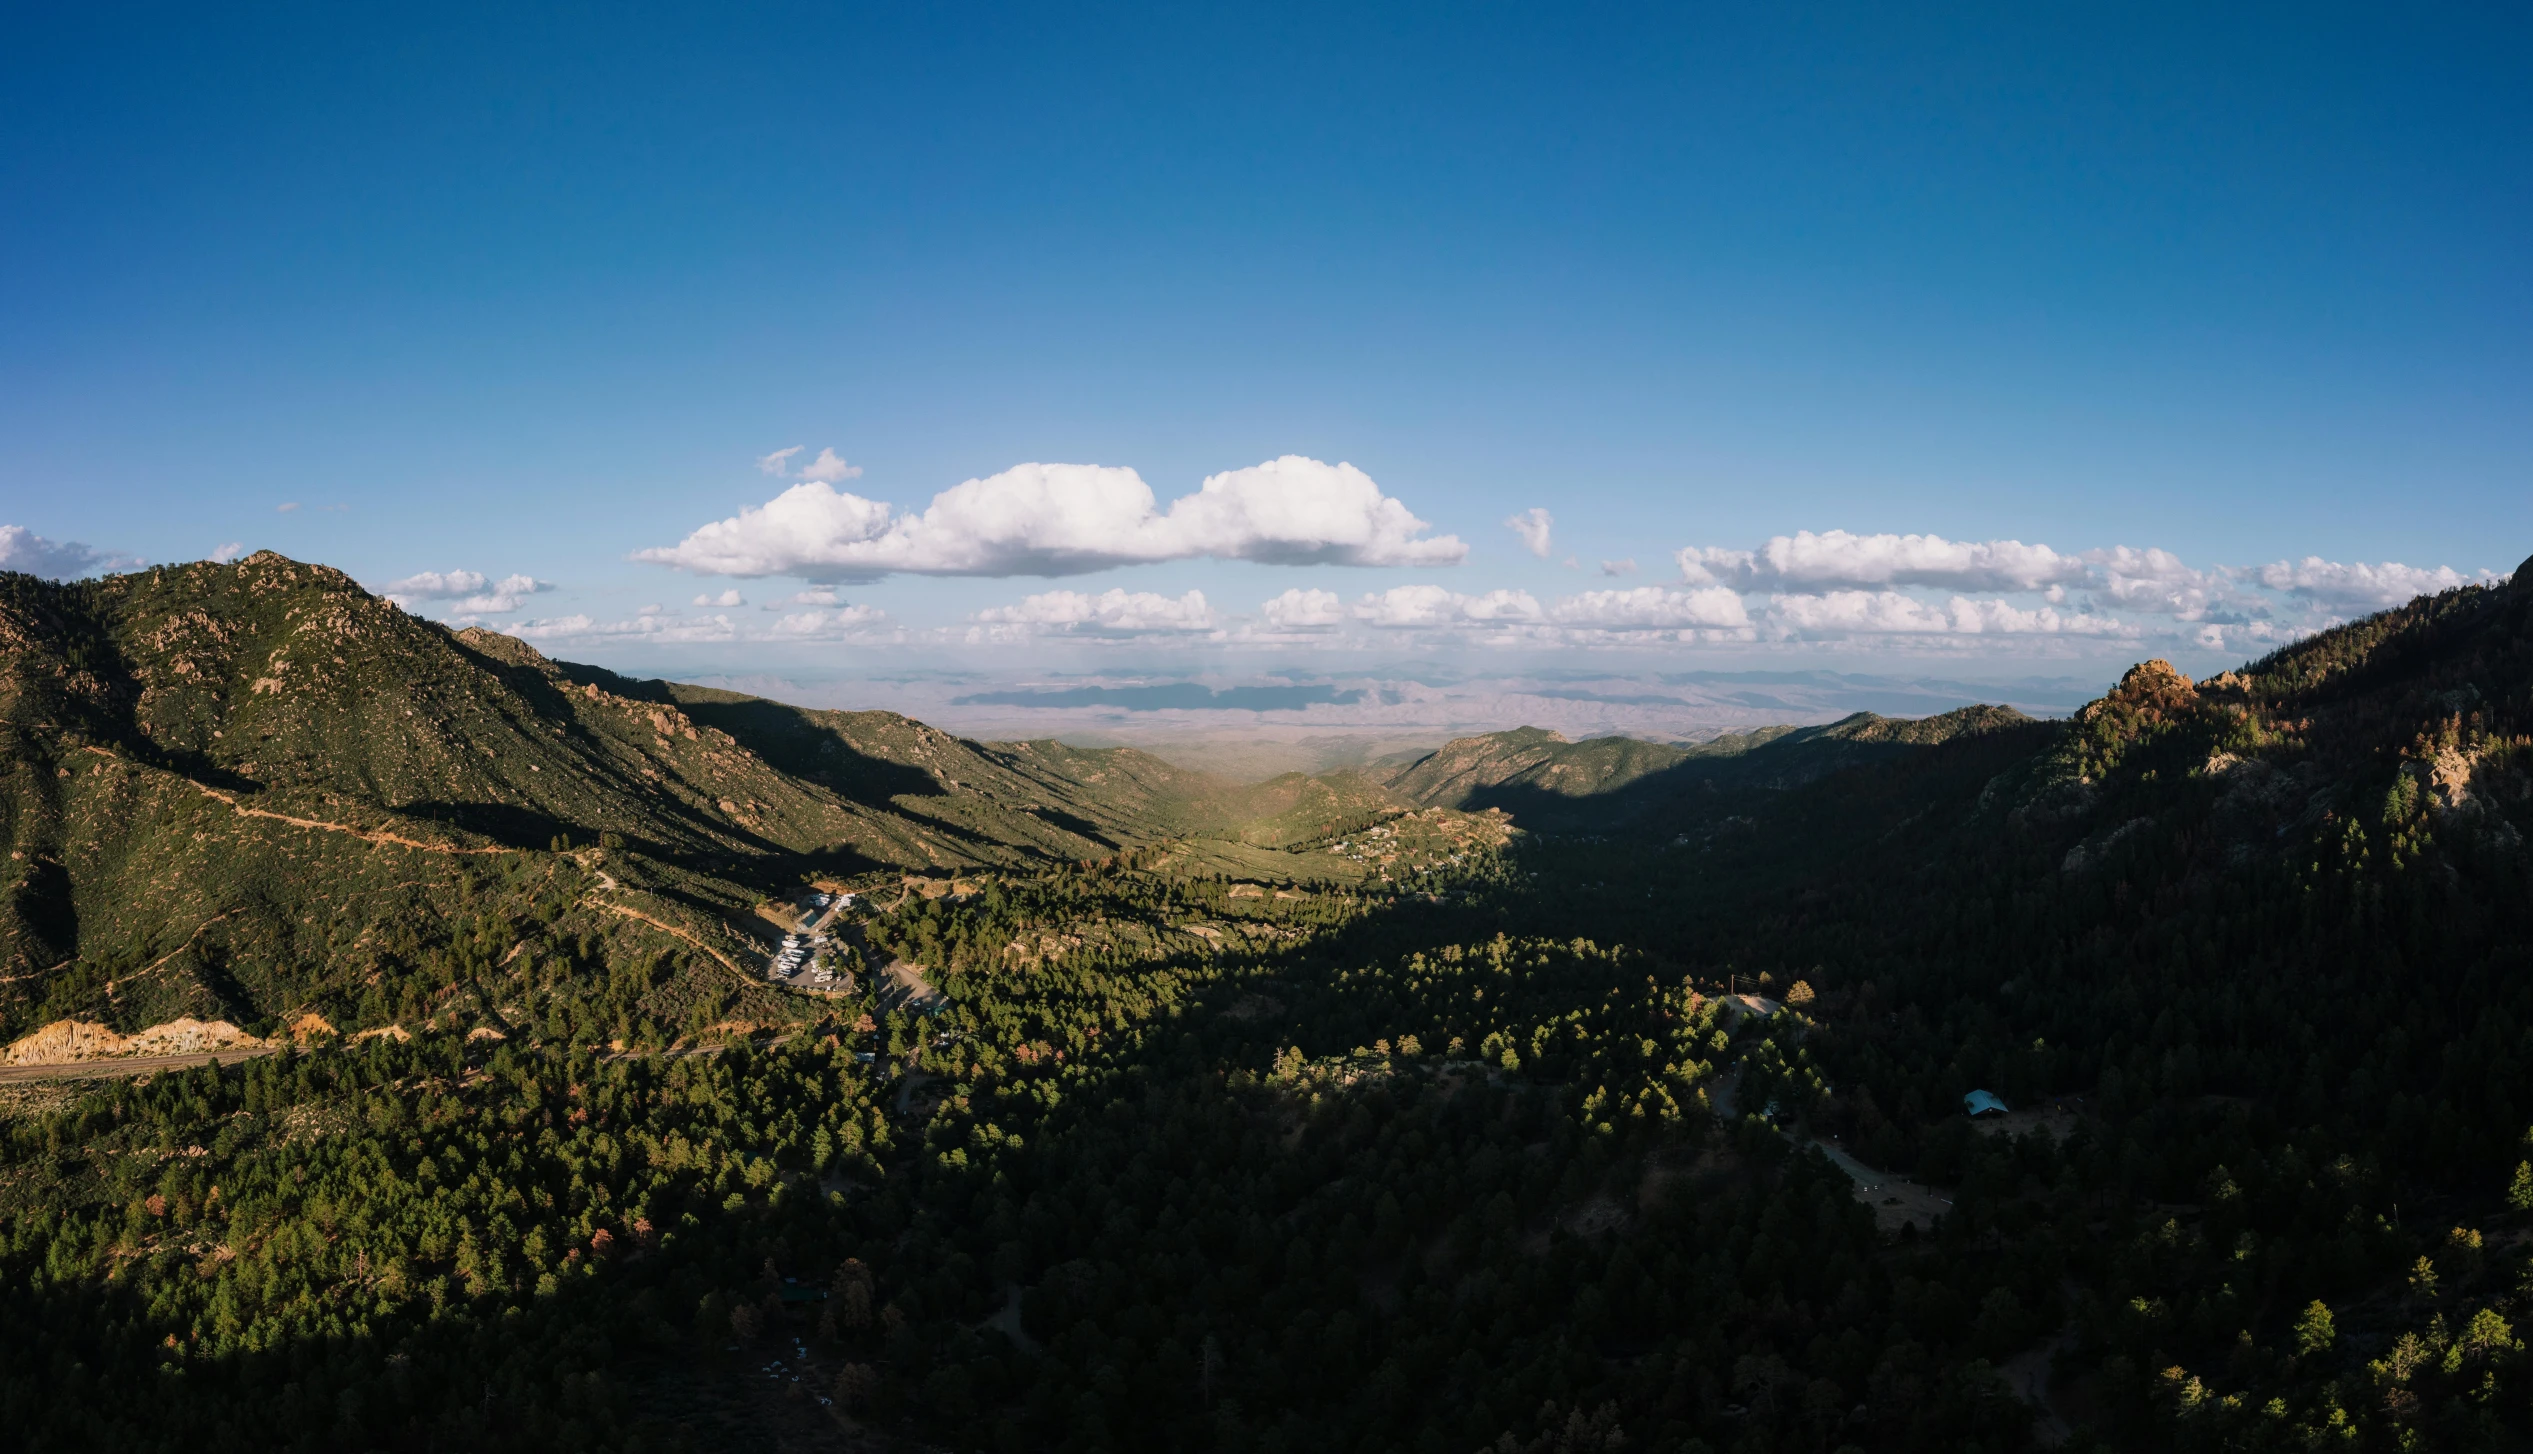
(128, 1065)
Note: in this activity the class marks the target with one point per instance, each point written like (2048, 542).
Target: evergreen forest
(1456, 1106)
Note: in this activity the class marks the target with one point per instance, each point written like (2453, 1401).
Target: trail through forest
(133, 1065)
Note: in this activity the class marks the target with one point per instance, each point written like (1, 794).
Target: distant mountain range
(1253, 726)
(2246, 957)
(243, 789)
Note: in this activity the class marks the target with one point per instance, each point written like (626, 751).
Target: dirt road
(2028, 1374)
(1894, 1199)
(902, 986)
(128, 1065)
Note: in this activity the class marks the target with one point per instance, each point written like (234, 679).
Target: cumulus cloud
(2359, 586)
(432, 585)
(228, 554)
(1893, 613)
(2160, 583)
(1402, 607)
(1625, 567)
(1068, 519)
(820, 596)
(464, 591)
(1513, 617)
(1112, 612)
(829, 467)
(813, 624)
(22, 549)
(1300, 610)
(1533, 526)
(726, 598)
(1836, 583)
(1839, 558)
(646, 627)
(1649, 608)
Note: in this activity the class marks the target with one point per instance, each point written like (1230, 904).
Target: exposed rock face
(2056, 800)
(2093, 850)
(2154, 688)
(69, 1040)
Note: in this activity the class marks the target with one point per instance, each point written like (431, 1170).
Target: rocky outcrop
(2092, 851)
(64, 1041)
(2153, 688)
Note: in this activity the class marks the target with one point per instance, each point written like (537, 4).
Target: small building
(1982, 1103)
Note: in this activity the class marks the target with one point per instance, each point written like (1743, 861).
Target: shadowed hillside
(1444, 1138)
(1547, 783)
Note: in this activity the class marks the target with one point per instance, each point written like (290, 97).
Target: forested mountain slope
(1167, 1160)
(1546, 782)
(236, 790)
(2272, 932)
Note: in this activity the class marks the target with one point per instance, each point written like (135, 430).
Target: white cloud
(1533, 526)
(464, 591)
(651, 628)
(1403, 607)
(726, 598)
(2157, 581)
(2359, 586)
(653, 623)
(432, 585)
(2242, 635)
(804, 624)
(821, 596)
(1893, 613)
(22, 549)
(1625, 567)
(1300, 610)
(1838, 558)
(228, 554)
(1648, 608)
(1117, 612)
(562, 627)
(1840, 584)
(828, 468)
(1067, 519)
(286, 508)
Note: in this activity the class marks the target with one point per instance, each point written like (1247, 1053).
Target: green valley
(1524, 1095)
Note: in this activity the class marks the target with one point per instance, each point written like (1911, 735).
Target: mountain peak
(2155, 687)
(509, 650)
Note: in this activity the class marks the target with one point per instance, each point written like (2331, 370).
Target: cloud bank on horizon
(1880, 590)
(1920, 591)
(1827, 586)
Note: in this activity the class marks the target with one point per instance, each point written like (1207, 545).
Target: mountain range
(2155, 1077)
(250, 790)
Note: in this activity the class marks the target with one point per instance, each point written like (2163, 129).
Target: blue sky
(522, 291)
